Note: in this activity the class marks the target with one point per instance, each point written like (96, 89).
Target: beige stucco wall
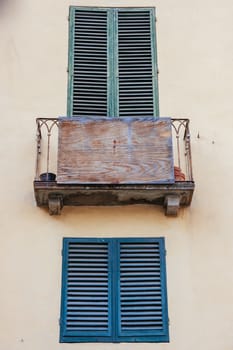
(195, 50)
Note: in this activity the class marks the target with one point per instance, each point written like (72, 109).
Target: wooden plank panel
(115, 151)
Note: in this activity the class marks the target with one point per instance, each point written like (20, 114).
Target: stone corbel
(55, 204)
(172, 204)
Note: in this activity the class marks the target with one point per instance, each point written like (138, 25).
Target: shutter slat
(83, 291)
(129, 298)
(88, 298)
(91, 302)
(135, 309)
(139, 269)
(74, 259)
(87, 309)
(138, 278)
(133, 302)
(88, 268)
(135, 290)
(139, 283)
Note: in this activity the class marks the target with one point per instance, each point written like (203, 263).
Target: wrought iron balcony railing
(169, 183)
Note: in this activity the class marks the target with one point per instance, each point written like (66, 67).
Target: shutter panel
(88, 62)
(142, 302)
(86, 308)
(112, 63)
(114, 290)
(137, 70)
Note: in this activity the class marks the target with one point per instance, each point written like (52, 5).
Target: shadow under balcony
(103, 161)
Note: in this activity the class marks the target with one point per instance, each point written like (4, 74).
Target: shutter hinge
(168, 321)
(157, 71)
(68, 18)
(61, 252)
(165, 252)
(156, 20)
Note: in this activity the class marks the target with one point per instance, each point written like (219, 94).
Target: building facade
(194, 50)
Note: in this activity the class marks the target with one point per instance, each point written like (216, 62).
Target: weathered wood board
(115, 151)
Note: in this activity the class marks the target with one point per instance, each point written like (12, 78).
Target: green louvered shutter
(142, 309)
(112, 62)
(88, 64)
(86, 291)
(137, 67)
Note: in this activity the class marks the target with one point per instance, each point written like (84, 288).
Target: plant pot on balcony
(47, 177)
(179, 176)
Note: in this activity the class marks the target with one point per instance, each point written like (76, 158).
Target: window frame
(112, 57)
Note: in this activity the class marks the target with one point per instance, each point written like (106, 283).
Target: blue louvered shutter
(114, 290)
(137, 63)
(86, 291)
(142, 300)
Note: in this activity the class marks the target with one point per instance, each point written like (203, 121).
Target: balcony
(100, 161)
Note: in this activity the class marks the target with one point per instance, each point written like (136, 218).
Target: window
(112, 62)
(114, 290)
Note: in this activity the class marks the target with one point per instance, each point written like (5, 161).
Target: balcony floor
(55, 196)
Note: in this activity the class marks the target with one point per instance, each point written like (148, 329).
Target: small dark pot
(48, 177)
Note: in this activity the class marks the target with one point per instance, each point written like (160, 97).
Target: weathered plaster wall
(195, 50)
